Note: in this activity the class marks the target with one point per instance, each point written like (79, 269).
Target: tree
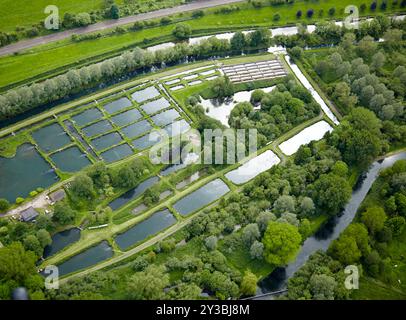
(238, 42)
(322, 287)
(263, 220)
(211, 243)
(345, 250)
(185, 291)
(82, 187)
(182, 31)
(249, 284)
(281, 243)
(222, 87)
(44, 238)
(340, 169)
(83, 19)
(250, 234)
(332, 192)
(63, 214)
(4, 205)
(306, 207)
(31, 243)
(257, 250)
(114, 11)
(148, 284)
(16, 263)
(284, 203)
(374, 218)
(396, 224)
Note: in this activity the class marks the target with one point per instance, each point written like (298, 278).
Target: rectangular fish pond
(106, 141)
(253, 167)
(61, 240)
(51, 138)
(203, 196)
(126, 117)
(314, 132)
(70, 159)
(86, 259)
(150, 226)
(117, 105)
(145, 94)
(137, 129)
(165, 117)
(155, 105)
(90, 115)
(133, 193)
(97, 128)
(117, 153)
(24, 172)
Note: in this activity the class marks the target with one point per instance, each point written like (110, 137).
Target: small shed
(57, 195)
(29, 214)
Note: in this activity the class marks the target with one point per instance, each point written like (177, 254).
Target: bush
(182, 31)
(19, 200)
(309, 13)
(33, 194)
(4, 205)
(276, 17)
(166, 20)
(383, 5)
(332, 11)
(373, 6)
(363, 7)
(298, 13)
(198, 14)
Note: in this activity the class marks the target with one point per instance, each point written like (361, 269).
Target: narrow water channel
(277, 280)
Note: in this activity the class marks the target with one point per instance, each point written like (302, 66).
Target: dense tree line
(365, 243)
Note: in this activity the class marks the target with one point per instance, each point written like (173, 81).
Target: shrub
(166, 20)
(309, 13)
(19, 200)
(276, 17)
(363, 7)
(182, 31)
(298, 13)
(198, 14)
(373, 6)
(332, 11)
(33, 194)
(4, 205)
(383, 5)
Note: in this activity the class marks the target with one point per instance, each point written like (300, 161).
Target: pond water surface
(133, 193)
(117, 153)
(70, 159)
(25, 172)
(97, 128)
(87, 116)
(137, 129)
(253, 167)
(150, 226)
(201, 197)
(165, 117)
(86, 259)
(61, 240)
(314, 132)
(155, 105)
(126, 117)
(51, 138)
(106, 141)
(145, 94)
(117, 105)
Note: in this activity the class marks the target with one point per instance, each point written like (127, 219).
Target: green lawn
(59, 55)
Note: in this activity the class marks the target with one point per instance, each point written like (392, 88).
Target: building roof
(28, 214)
(57, 195)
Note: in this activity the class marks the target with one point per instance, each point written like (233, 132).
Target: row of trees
(28, 97)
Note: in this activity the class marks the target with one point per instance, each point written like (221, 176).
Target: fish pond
(70, 159)
(24, 172)
(201, 197)
(150, 226)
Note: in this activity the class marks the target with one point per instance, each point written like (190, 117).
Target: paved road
(196, 5)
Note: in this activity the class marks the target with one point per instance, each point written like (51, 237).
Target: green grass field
(56, 56)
